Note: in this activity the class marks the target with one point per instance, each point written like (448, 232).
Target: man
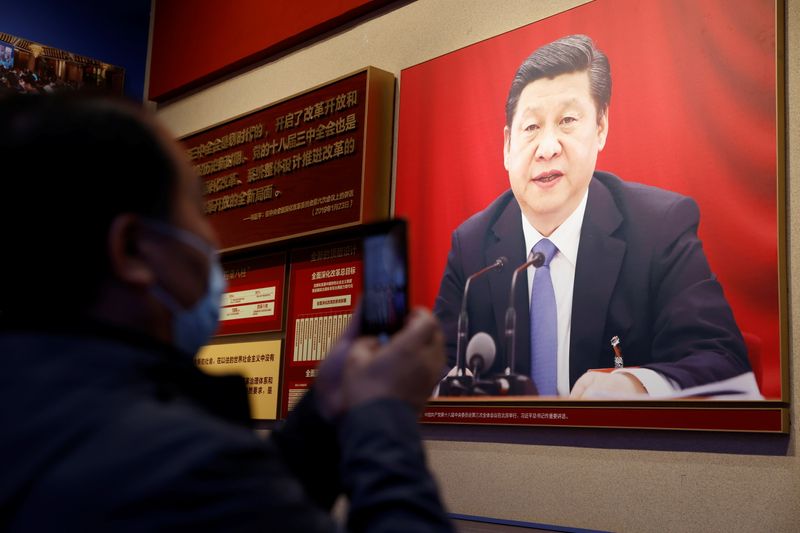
(622, 259)
(109, 285)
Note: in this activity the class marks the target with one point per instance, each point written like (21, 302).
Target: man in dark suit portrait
(621, 259)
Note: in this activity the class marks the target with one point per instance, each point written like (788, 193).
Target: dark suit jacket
(641, 274)
(105, 431)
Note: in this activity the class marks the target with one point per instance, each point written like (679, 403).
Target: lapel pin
(617, 352)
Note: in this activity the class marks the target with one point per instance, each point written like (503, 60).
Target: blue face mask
(193, 327)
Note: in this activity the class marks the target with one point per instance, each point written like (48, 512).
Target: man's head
(85, 179)
(556, 123)
(573, 53)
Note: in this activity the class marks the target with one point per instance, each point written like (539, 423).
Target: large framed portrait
(695, 121)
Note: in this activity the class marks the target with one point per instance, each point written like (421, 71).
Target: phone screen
(385, 297)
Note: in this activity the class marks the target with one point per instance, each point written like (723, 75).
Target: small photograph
(31, 67)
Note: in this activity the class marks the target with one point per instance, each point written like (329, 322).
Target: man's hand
(361, 369)
(607, 384)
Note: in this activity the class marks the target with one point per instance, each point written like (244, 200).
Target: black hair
(573, 53)
(71, 163)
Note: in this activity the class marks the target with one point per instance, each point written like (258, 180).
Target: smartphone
(385, 277)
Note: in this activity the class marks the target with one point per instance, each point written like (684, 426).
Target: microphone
(535, 260)
(460, 383)
(463, 319)
(480, 353)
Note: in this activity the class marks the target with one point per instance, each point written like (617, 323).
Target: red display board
(689, 78)
(253, 301)
(197, 41)
(324, 284)
(317, 161)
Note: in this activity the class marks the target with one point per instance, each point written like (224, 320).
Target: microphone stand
(516, 384)
(461, 383)
(507, 382)
(463, 317)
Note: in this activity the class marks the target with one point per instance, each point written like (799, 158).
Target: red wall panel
(195, 41)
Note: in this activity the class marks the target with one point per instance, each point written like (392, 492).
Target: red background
(691, 417)
(196, 41)
(692, 110)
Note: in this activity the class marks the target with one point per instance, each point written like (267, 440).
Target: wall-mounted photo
(31, 67)
(595, 204)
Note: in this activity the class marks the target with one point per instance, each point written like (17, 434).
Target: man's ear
(124, 251)
(602, 130)
(506, 146)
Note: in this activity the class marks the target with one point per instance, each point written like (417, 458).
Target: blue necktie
(544, 333)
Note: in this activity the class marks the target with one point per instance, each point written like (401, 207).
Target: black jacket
(641, 274)
(103, 431)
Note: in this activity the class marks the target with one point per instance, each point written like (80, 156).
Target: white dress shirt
(567, 237)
